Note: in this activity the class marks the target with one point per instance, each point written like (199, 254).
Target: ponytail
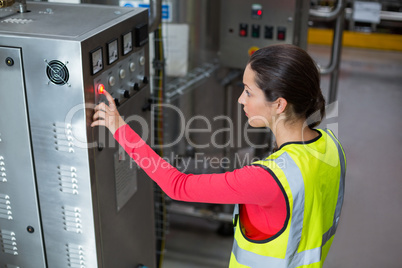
(316, 113)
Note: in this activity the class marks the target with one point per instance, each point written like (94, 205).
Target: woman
(290, 202)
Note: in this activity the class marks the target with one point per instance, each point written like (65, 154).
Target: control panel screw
(30, 229)
(9, 61)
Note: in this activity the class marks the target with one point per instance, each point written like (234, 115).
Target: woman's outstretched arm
(247, 185)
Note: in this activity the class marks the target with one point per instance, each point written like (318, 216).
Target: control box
(69, 195)
(248, 25)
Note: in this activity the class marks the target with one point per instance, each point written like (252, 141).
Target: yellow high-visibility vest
(312, 177)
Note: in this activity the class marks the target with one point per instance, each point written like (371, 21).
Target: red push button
(281, 34)
(243, 29)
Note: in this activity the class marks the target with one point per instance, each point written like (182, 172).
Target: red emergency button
(101, 89)
(251, 50)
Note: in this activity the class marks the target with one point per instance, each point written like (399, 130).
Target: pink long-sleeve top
(262, 203)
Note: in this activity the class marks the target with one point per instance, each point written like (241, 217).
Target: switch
(124, 93)
(269, 32)
(255, 31)
(134, 87)
(281, 33)
(243, 29)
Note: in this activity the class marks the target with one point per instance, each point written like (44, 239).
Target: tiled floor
(369, 125)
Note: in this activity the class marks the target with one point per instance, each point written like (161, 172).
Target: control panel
(249, 25)
(119, 66)
(124, 80)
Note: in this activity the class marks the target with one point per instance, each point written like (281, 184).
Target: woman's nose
(241, 99)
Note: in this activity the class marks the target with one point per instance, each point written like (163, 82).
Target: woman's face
(258, 110)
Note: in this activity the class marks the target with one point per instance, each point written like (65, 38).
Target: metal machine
(248, 25)
(69, 197)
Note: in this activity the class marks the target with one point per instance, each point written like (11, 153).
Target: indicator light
(101, 88)
(256, 11)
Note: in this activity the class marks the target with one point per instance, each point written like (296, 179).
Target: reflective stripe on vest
(296, 184)
(339, 203)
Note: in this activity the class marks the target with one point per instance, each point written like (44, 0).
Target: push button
(269, 32)
(255, 31)
(243, 29)
(281, 33)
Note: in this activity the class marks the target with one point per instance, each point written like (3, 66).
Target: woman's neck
(293, 132)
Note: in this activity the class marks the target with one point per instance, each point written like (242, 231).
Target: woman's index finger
(109, 98)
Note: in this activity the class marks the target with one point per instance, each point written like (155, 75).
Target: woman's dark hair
(287, 71)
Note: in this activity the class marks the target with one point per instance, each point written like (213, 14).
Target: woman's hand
(107, 115)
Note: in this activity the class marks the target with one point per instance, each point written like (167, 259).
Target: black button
(126, 94)
(269, 32)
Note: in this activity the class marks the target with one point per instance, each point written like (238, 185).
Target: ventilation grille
(68, 179)
(57, 72)
(5, 207)
(63, 135)
(17, 21)
(75, 256)
(3, 174)
(72, 219)
(8, 242)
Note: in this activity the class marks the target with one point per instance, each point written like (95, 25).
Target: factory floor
(368, 123)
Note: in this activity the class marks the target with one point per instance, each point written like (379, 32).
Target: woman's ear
(281, 105)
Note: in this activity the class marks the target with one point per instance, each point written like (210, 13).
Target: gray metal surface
(290, 15)
(55, 20)
(18, 198)
(75, 179)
